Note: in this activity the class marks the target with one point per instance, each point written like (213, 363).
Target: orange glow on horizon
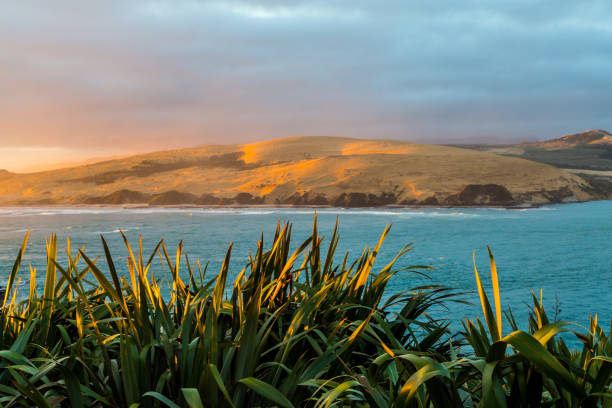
(35, 159)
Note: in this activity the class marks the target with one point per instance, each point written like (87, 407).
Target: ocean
(565, 250)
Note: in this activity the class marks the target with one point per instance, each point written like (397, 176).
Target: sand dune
(302, 170)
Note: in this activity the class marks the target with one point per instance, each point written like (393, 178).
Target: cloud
(146, 75)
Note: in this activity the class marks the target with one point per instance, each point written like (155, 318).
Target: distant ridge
(588, 137)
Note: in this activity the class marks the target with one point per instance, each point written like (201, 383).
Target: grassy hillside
(302, 171)
(589, 150)
(587, 154)
(589, 157)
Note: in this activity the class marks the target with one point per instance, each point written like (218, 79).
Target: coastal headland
(310, 171)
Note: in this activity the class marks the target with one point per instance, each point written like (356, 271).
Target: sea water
(563, 250)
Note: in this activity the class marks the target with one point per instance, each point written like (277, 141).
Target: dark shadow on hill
(600, 186)
(595, 157)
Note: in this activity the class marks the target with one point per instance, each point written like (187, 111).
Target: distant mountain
(594, 137)
(302, 171)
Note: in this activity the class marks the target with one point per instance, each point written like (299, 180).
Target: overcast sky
(83, 78)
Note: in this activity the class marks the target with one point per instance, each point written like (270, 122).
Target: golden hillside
(303, 171)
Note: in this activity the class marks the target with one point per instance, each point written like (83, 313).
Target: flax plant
(291, 324)
(299, 326)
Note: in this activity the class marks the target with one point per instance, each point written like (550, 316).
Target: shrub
(296, 328)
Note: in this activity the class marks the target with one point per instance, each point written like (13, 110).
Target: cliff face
(302, 171)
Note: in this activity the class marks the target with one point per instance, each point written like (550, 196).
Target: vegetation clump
(296, 328)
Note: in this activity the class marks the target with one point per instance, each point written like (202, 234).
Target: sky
(92, 79)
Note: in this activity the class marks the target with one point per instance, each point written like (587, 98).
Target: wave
(227, 211)
(190, 211)
(115, 231)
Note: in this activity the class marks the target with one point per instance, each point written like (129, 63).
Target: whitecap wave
(403, 212)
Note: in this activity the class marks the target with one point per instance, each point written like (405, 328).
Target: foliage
(296, 328)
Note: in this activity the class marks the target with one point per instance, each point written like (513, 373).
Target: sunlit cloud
(303, 11)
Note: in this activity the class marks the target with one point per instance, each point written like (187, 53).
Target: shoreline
(136, 206)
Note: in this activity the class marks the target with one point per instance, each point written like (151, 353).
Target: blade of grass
(267, 391)
(15, 269)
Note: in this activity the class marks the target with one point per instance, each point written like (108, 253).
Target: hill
(596, 137)
(303, 171)
(587, 154)
(588, 150)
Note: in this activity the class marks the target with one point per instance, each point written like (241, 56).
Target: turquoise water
(566, 250)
